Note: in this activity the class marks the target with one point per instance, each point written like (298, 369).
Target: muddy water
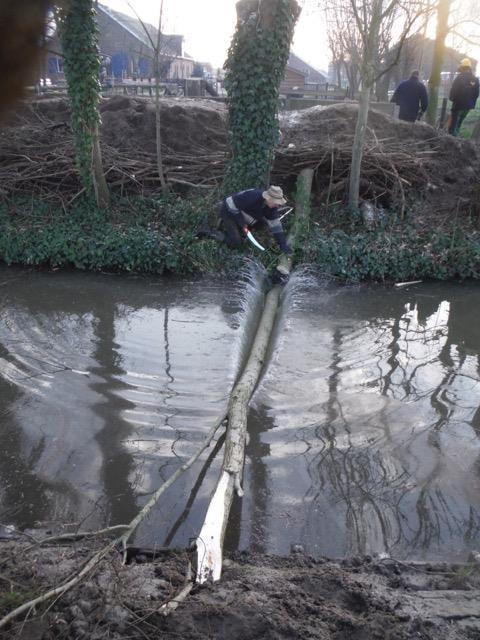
(363, 430)
(107, 384)
(365, 433)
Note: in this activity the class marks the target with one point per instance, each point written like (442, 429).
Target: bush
(140, 235)
(158, 236)
(401, 256)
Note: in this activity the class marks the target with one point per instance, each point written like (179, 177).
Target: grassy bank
(340, 245)
(159, 236)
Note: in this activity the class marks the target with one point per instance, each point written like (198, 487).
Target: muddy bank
(259, 596)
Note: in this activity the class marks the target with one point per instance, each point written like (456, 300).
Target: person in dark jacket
(412, 98)
(244, 208)
(463, 94)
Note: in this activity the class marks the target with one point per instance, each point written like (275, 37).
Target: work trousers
(456, 119)
(233, 239)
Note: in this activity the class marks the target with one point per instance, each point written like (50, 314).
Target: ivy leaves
(254, 70)
(78, 33)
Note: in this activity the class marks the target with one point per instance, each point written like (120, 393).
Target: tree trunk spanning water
(211, 537)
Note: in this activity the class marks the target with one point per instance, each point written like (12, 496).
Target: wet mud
(259, 596)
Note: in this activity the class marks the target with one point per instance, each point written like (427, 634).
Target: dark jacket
(411, 96)
(464, 91)
(248, 206)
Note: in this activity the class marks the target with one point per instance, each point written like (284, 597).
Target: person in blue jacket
(412, 98)
(463, 94)
(244, 208)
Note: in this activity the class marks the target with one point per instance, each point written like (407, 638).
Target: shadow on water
(248, 522)
(194, 492)
(26, 499)
(117, 462)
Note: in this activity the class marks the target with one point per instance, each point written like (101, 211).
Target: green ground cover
(159, 236)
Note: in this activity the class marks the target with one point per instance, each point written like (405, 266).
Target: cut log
(212, 533)
(211, 536)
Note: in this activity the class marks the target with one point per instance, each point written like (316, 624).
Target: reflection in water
(363, 434)
(25, 497)
(117, 462)
(374, 397)
(102, 397)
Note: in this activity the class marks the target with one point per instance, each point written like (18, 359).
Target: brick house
(301, 78)
(127, 51)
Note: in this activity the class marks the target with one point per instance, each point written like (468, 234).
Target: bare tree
(344, 42)
(157, 44)
(443, 12)
(374, 24)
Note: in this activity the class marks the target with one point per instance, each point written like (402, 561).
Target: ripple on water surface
(364, 433)
(108, 384)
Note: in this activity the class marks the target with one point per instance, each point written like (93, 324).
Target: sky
(208, 26)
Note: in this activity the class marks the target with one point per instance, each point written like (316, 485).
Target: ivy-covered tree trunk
(254, 70)
(78, 34)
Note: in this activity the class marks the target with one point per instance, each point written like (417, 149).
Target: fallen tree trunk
(211, 536)
(210, 539)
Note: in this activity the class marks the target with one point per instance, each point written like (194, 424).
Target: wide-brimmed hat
(466, 63)
(274, 193)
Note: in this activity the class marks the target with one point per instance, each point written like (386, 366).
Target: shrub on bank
(400, 254)
(137, 235)
(158, 236)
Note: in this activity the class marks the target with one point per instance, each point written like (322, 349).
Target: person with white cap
(463, 94)
(242, 209)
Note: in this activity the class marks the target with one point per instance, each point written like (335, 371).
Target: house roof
(311, 74)
(172, 44)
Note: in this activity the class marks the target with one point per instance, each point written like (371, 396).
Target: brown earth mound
(403, 163)
(129, 123)
(187, 126)
(36, 146)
